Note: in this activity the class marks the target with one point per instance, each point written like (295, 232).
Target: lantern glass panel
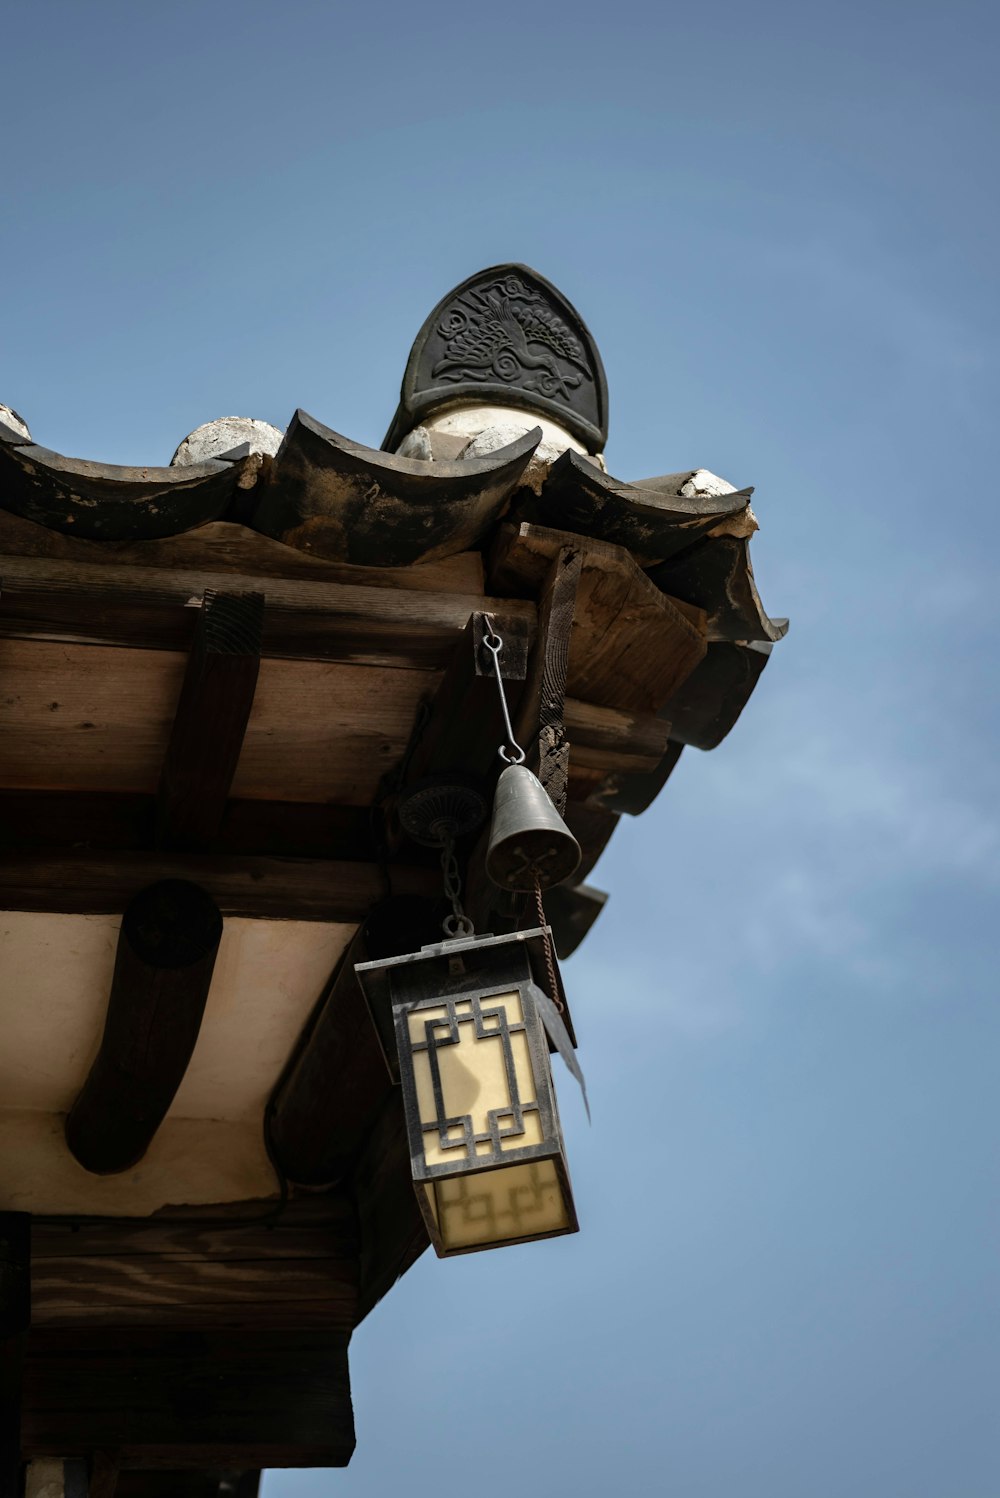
(499, 1206)
(472, 1057)
(486, 1073)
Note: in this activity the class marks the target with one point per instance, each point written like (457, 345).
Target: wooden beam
(65, 820)
(152, 608)
(279, 889)
(177, 1399)
(211, 719)
(167, 945)
(293, 1269)
(631, 645)
(326, 1103)
(97, 718)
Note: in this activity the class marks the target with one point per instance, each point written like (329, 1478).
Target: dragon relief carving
(508, 332)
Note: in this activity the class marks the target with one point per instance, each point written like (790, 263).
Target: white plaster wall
(55, 976)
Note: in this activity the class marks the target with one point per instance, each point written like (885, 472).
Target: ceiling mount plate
(440, 809)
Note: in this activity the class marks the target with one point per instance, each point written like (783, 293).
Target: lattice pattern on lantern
(452, 1086)
(473, 1095)
(472, 1057)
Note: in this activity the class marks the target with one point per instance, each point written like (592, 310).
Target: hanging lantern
(461, 1026)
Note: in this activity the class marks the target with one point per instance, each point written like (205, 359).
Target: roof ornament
(506, 337)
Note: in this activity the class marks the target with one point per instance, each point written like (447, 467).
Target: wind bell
(472, 1025)
(530, 846)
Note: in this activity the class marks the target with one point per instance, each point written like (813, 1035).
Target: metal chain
(458, 923)
(550, 961)
(494, 644)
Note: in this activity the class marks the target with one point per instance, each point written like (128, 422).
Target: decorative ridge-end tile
(506, 336)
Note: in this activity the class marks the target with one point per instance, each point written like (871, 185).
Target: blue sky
(780, 222)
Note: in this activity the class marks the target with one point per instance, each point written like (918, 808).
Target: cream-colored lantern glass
(485, 1144)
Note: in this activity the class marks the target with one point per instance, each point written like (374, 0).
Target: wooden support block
(332, 1091)
(277, 889)
(631, 646)
(167, 945)
(88, 717)
(211, 719)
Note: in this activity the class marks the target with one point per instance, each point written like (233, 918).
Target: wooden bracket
(464, 725)
(212, 716)
(542, 714)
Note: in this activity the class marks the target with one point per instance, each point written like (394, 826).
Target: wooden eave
(228, 675)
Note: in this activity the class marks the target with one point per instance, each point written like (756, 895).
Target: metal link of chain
(494, 644)
(550, 962)
(458, 923)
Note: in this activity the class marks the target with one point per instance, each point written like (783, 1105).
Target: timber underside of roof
(243, 711)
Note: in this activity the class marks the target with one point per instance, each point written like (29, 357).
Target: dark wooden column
(541, 721)
(167, 946)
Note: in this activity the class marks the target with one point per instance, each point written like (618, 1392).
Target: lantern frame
(453, 982)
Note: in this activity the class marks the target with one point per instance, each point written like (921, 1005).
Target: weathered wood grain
(630, 648)
(153, 608)
(96, 718)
